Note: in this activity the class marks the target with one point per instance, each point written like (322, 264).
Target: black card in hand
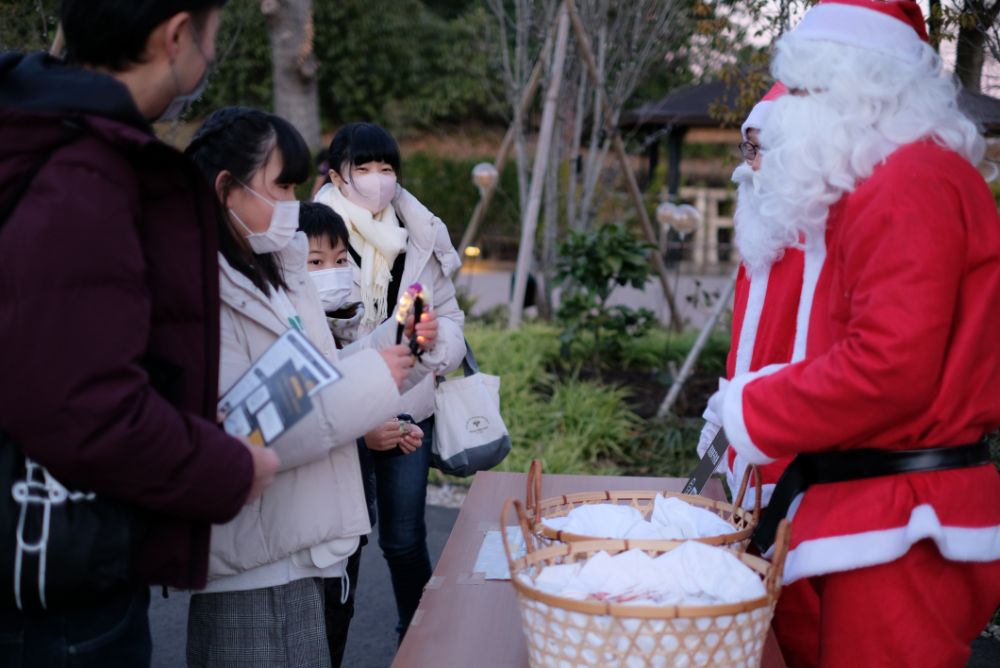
(716, 450)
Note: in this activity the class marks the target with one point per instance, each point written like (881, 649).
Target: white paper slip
(492, 560)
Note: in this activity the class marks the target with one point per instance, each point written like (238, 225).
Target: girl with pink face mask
(395, 241)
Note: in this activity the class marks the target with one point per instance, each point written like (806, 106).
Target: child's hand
(427, 330)
(400, 362)
(383, 437)
(413, 437)
(392, 433)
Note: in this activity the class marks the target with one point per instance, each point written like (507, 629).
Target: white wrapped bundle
(671, 519)
(691, 574)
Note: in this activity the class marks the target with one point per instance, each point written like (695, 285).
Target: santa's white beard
(812, 155)
(817, 147)
(759, 241)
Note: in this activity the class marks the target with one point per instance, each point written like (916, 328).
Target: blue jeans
(114, 632)
(401, 491)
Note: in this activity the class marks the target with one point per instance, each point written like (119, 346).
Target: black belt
(811, 469)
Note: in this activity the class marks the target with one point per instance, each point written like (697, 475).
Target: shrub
(573, 426)
(590, 266)
(663, 447)
(584, 426)
(658, 347)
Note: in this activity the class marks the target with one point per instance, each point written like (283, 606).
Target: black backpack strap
(24, 179)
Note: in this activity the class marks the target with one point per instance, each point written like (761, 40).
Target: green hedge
(401, 63)
(444, 185)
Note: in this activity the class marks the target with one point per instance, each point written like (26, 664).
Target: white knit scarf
(377, 240)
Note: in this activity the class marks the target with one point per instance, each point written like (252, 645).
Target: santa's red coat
(763, 333)
(901, 298)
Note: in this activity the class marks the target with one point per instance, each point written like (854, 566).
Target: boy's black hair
(358, 143)
(318, 220)
(114, 33)
(240, 140)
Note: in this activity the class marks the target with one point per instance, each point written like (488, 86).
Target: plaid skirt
(275, 627)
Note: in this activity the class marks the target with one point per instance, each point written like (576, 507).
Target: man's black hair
(114, 33)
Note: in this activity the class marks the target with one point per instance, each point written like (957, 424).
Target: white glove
(708, 434)
(714, 410)
(713, 420)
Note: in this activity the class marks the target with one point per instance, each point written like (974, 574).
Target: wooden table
(465, 621)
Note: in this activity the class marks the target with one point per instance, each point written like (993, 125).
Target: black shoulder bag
(60, 547)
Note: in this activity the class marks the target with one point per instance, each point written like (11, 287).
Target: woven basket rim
(540, 528)
(739, 537)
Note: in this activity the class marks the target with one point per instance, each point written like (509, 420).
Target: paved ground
(372, 639)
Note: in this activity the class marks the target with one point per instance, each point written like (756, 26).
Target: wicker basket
(569, 633)
(742, 520)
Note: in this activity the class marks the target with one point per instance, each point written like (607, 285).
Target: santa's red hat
(758, 115)
(892, 27)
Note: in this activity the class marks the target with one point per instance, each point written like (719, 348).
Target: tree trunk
(970, 51)
(969, 58)
(934, 24)
(611, 127)
(501, 160)
(596, 151)
(529, 219)
(550, 227)
(575, 170)
(294, 65)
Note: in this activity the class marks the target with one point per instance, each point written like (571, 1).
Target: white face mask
(371, 191)
(334, 287)
(182, 102)
(284, 223)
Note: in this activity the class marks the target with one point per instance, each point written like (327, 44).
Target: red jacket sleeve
(895, 267)
(75, 325)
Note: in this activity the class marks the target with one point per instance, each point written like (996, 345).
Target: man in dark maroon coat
(109, 308)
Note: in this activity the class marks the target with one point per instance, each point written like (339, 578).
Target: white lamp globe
(485, 176)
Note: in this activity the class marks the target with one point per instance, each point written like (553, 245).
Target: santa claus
(870, 168)
(765, 300)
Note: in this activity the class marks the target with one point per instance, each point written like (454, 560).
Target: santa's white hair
(861, 106)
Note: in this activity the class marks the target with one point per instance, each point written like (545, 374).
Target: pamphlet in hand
(276, 392)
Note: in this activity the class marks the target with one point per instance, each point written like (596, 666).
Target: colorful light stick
(403, 308)
(418, 309)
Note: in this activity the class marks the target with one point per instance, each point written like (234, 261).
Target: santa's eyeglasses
(749, 150)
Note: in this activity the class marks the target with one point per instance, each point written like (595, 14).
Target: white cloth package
(671, 519)
(691, 574)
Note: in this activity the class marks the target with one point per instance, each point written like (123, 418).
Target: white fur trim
(757, 117)
(751, 321)
(870, 548)
(815, 256)
(864, 28)
(732, 416)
